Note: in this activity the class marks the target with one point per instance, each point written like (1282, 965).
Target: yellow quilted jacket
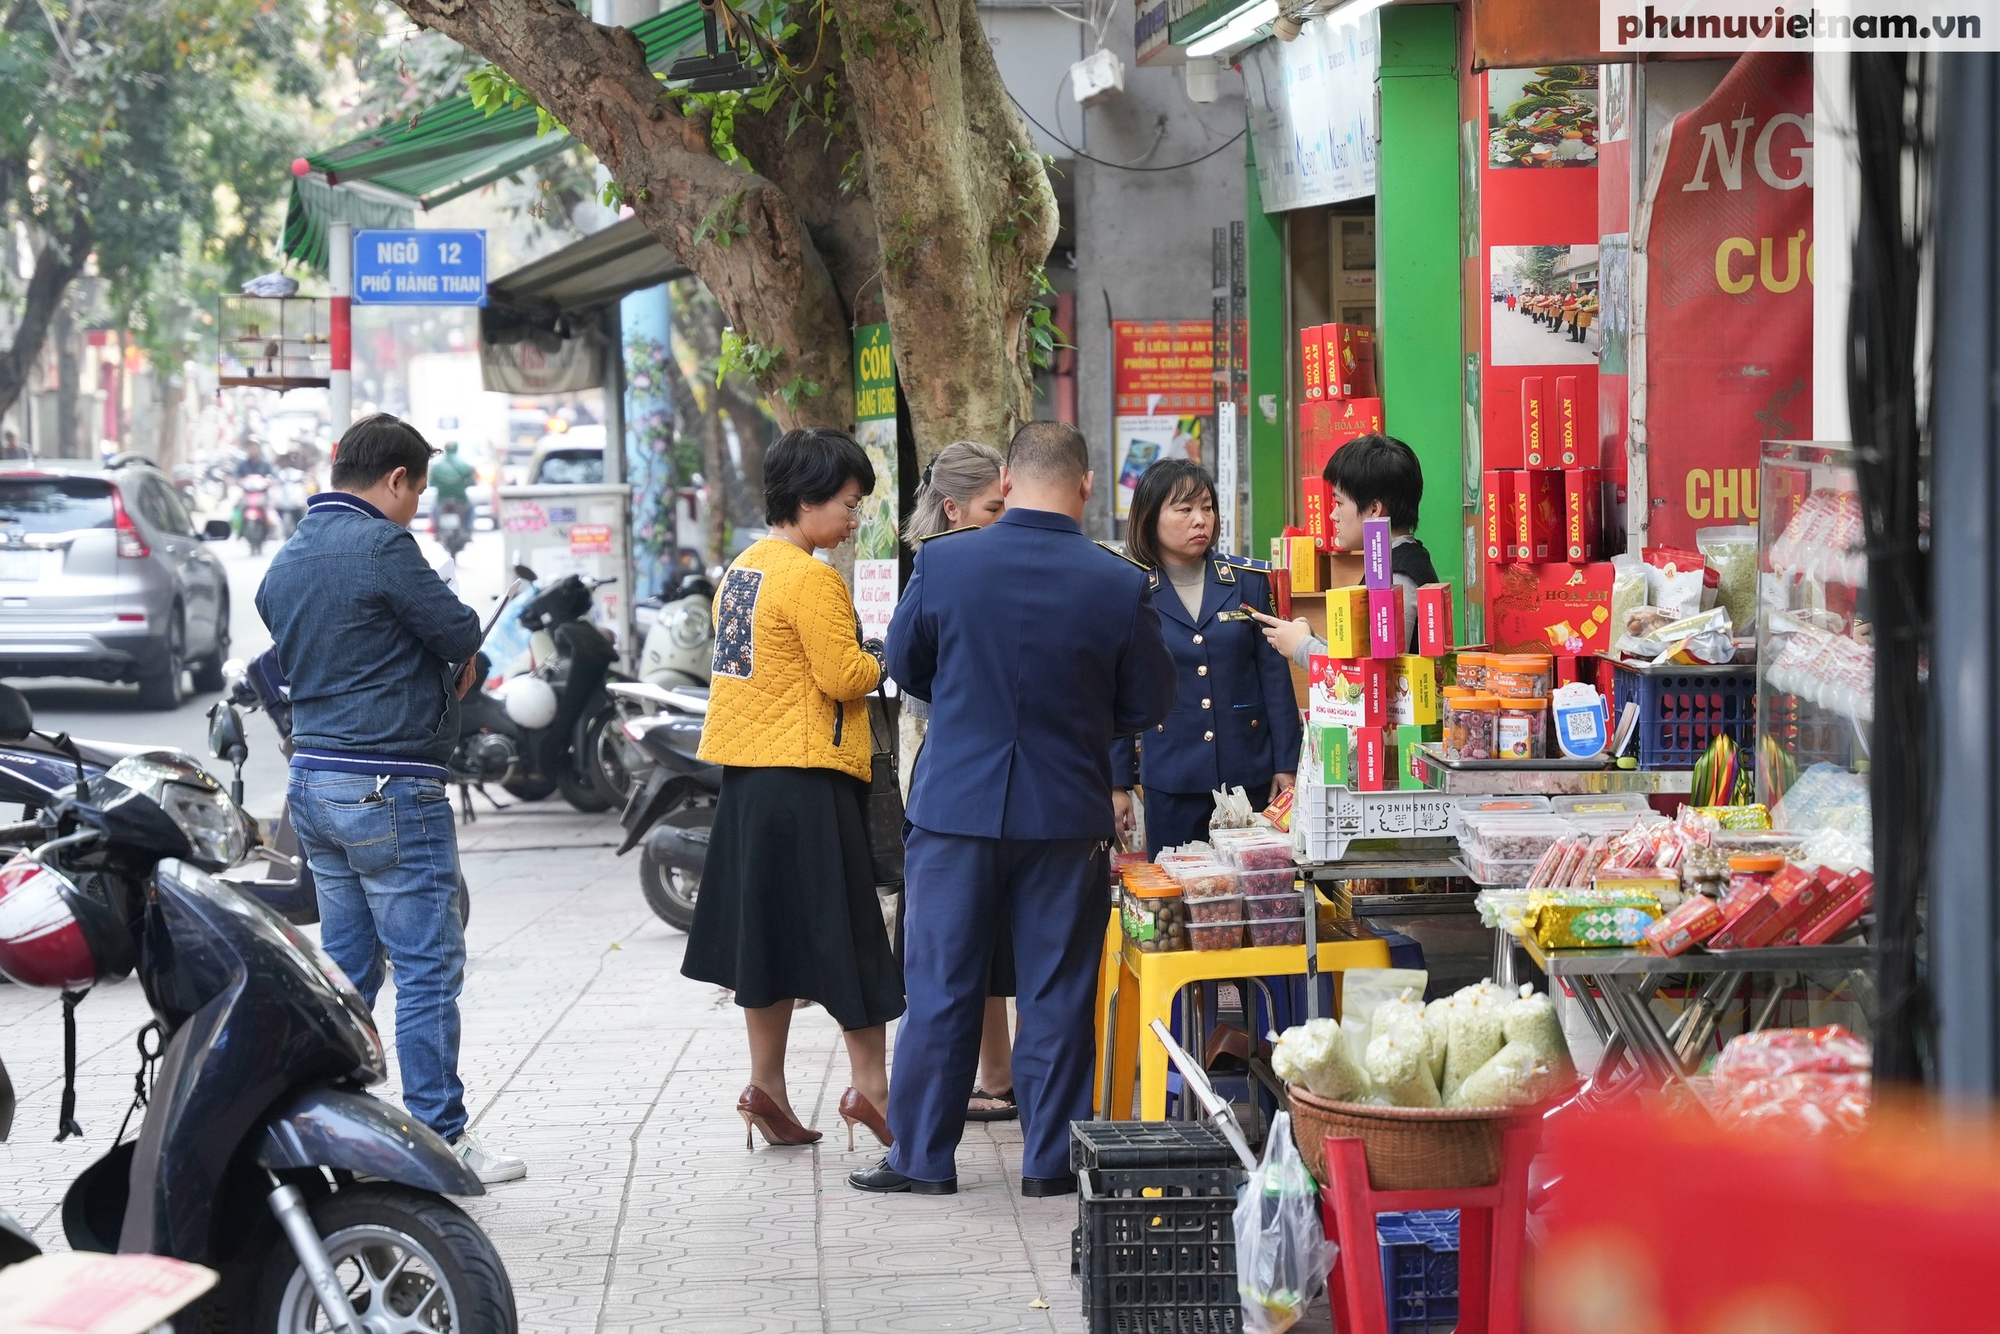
(789, 678)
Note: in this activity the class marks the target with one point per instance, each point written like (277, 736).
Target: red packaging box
(1537, 514)
(1760, 908)
(1534, 423)
(1350, 361)
(1281, 591)
(1838, 919)
(1434, 628)
(1796, 892)
(1326, 425)
(1568, 424)
(1496, 516)
(1550, 609)
(1582, 489)
(1694, 921)
(1318, 509)
(1312, 362)
(1349, 692)
(1385, 623)
(1372, 766)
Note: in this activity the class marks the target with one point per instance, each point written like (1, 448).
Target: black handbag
(885, 794)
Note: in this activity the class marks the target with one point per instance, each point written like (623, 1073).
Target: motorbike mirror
(235, 670)
(17, 719)
(215, 530)
(524, 572)
(225, 733)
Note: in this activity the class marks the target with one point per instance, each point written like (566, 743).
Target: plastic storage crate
(1125, 1144)
(1683, 709)
(1420, 1270)
(1155, 1250)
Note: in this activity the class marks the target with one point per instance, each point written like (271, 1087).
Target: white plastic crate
(1326, 819)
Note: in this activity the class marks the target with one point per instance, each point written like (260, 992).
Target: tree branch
(57, 264)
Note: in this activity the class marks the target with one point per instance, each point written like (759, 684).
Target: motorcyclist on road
(453, 478)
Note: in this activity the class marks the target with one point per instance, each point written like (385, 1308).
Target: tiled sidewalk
(588, 1053)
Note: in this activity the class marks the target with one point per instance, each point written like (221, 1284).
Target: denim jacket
(368, 635)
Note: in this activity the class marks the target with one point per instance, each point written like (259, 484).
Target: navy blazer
(1035, 647)
(1235, 720)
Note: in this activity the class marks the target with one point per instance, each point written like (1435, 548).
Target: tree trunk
(57, 264)
(69, 443)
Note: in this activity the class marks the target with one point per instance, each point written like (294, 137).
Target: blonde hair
(960, 471)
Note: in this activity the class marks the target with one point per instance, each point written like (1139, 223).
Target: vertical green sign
(875, 563)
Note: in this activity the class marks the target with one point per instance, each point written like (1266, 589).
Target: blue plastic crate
(1420, 1270)
(1683, 709)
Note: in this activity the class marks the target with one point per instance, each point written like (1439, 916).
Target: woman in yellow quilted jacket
(787, 907)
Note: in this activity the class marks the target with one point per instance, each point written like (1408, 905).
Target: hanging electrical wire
(1074, 151)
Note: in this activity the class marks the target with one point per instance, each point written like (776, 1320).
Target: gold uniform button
(1197, 639)
(1253, 722)
(1161, 728)
(1208, 736)
(1204, 703)
(1201, 670)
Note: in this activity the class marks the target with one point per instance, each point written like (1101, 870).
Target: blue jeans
(385, 864)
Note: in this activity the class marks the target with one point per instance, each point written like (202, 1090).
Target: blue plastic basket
(1683, 709)
(1420, 1270)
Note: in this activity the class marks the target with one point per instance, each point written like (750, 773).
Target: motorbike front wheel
(581, 791)
(408, 1260)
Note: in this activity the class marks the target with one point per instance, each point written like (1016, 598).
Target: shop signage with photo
(877, 565)
(1164, 394)
(1312, 114)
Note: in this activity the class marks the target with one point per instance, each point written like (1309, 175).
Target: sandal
(1007, 1111)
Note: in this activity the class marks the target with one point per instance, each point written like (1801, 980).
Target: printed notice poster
(1165, 396)
(875, 559)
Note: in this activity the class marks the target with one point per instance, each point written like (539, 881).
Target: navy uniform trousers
(1054, 894)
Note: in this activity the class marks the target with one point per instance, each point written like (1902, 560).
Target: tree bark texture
(57, 264)
(69, 434)
(945, 236)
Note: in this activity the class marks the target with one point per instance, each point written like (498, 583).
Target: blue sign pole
(419, 268)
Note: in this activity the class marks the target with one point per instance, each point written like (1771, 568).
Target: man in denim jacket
(379, 651)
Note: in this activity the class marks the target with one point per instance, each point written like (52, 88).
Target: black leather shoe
(885, 1180)
(1041, 1188)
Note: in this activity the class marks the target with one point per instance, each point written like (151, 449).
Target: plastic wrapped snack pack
(1513, 1077)
(1315, 1056)
(1437, 1023)
(1477, 1033)
(1364, 990)
(1399, 1065)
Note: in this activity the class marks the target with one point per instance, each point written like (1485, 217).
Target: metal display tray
(1534, 777)
(1631, 962)
(1434, 752)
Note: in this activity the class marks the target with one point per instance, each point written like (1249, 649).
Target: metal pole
(340, 330)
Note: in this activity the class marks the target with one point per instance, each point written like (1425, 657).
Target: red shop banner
(1163, 367)
(1726, 301)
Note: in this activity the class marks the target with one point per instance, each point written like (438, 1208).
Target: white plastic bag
(1282, 1254)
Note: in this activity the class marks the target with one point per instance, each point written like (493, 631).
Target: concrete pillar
(646, 327)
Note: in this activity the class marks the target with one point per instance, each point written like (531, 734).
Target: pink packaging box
(1375, 554)
(1385, 622)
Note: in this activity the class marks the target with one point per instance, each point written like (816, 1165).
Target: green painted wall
(1417, 274)
(1264, 281)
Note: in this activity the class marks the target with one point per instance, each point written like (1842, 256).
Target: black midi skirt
(787, 907)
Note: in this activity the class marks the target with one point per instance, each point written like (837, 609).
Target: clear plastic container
(1506, 837)
(1253, 849)
(1265, 906)
(1478, 718)
(1261, 883)
(1521, 729)
(1472, 671)
(1204, 880)
(1600, 803)
(1518, 675)
(1205, 912)
(1217, 936)
(1155, 921)
(1490, 871)
(1277, 931)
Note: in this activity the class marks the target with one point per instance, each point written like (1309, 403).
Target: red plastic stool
(1492, 1237)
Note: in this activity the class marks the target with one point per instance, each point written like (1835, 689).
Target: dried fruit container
(1277, 931)
(1217, 936)
(1204, 880)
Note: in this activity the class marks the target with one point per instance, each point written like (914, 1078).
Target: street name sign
(419, 268)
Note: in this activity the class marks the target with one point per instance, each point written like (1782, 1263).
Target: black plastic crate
(1683, 709)
(1155, 1249)
(1094, 1144)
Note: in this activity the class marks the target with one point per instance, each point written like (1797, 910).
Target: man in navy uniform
(1035, 647)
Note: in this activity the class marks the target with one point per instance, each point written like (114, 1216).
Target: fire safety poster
(1165, 397)
(1725, 302)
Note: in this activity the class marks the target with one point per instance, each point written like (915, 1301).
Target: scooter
(274, 873)
(679, 647)
(290, 500)
(257, 1131)
(670, 815)
(451, 524)
(256, 511)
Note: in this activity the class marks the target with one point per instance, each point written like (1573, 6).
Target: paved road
(1519, 341)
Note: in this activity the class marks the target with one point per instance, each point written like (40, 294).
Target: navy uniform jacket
(1235, 720)
(1035, 647)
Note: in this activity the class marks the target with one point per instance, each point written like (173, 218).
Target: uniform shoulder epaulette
(1122, 556)
(1245, 563)
(967, 528)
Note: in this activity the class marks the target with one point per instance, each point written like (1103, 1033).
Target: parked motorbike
(544, 729)
(671, 813)
(257, 1133)
(274, 873)
(290, 500)
(679, 647)
(254, 512)
(451, 524)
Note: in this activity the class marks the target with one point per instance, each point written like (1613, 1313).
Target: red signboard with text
(1162, 368)
(1727, 303)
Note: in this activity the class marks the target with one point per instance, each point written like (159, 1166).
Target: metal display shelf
(1408, 905)
(1527, 777)
(1641, 963)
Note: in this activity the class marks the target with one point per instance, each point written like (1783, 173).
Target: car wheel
(161, 687)
(208, 671)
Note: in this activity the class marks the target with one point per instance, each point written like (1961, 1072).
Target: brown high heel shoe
(853, 1108)
(757, 1109)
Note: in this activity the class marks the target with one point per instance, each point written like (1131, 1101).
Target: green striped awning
(381, 178)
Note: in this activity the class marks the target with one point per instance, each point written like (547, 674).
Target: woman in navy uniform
(1235, 720)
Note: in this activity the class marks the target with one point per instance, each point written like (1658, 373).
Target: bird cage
(276, 342)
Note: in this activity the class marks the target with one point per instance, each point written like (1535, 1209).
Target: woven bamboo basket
(1408, 1148)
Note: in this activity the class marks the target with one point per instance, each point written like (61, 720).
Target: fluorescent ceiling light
(1236, 32)
(1352, 10)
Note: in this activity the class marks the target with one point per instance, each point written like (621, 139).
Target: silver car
(103, 575)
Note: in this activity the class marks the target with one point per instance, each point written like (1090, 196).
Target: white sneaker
(491, 1168)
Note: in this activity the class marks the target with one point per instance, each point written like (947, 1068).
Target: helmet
(530, 701)
(53, 934)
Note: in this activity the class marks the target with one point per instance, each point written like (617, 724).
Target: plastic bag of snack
(1282, 1254)
(1531, 1020)
(1315, 1056)
(1399, 1066)
(1362, 990)
(1477, 1028)
(1732, 554)
(1514, 1076)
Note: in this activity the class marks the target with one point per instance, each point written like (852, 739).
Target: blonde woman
(788, 906)
(962, 489)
